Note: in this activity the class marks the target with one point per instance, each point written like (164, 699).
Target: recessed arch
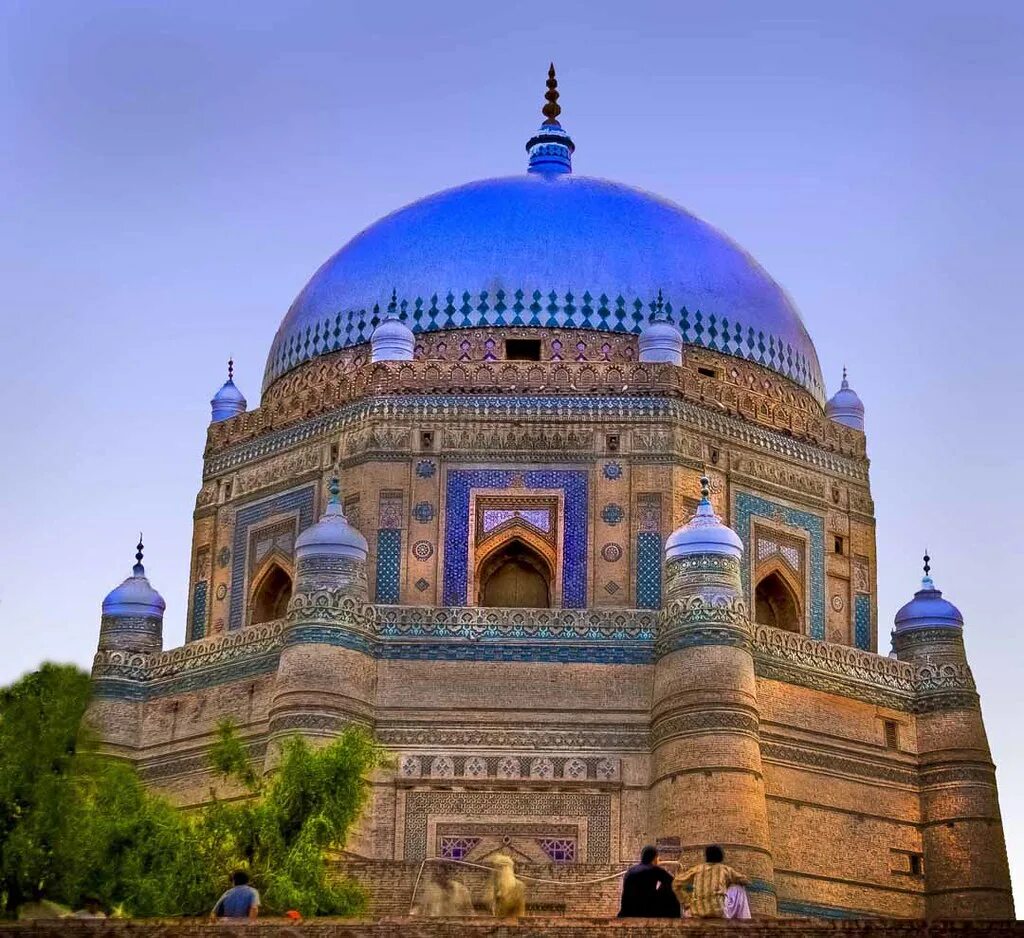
(515, 575)
(776, 602)
(271, 593)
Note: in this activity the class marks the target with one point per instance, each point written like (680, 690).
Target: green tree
(284, 831)
(74, 823)
(40, 720)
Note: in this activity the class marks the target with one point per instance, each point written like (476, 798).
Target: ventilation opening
(611, 442)
(707, 372)
(892, 734)
(516, 576)
(426, 439)
(916, 864)
(775, 604)
(522, 350)
(271, 598)
(838, 546)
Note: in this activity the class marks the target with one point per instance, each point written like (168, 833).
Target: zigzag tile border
(543, 310)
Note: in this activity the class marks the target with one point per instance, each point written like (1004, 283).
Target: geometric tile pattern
(299, 501)
(199, 592)
(574, 486)
(541, 310)
(648, 570)
(421, 806)
(862, 621)
(746, 508)
(389, 564)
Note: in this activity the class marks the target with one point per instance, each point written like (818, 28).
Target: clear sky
(172, 173)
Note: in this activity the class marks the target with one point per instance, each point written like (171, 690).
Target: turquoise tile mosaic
(298, 501)
(539, 309)
(574, 485)
(389, 564)
(862, 621)
(197, 629)
(746, 507)
(648, 570)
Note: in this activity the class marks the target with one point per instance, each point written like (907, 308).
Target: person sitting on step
(647, 889)
(717, 890)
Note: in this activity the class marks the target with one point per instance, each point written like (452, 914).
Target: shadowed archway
(271, 595)
(776, 605)
(515, 576)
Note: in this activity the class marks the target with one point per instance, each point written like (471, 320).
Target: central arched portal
(515, 576)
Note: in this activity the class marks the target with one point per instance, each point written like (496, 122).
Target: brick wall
(488, 928)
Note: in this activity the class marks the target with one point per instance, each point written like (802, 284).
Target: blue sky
(172, 173)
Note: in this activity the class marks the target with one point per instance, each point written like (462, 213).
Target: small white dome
(661, 341)
(228, 401)
(845, 407)
(704, 533)
(332, 535)
(392, 341)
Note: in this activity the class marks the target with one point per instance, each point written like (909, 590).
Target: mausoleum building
(545, 490)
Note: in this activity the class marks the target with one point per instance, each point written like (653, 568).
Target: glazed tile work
(297, 504)
(575, 487)
(578, 594)
(748, 507)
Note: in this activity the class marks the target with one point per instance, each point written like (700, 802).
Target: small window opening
(714, 457)
(227, 491)
(835, 495)
(916, 864)
(707, 372)
(838, 545)
(611, 442)
(334, 454)
(892, 734)
(426, 439)
(522, 350)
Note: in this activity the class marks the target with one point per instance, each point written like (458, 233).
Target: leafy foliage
(283, 832)
(75, 824)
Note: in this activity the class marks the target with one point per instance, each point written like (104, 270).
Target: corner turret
(845, 406)
(326, 675)
(705, 724)
(133, 614)
(959, 804)
(228, 402)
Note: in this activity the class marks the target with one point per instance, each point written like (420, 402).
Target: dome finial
(393, 305)
(551, 109)
(551, 147)
(845, 383)
(335, 489)
(927, 563)
(705, 489)
(231, 369)
(138, 569)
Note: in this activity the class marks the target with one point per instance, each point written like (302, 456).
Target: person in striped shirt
(708, 883)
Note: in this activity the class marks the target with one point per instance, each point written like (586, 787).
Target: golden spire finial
(551, 110)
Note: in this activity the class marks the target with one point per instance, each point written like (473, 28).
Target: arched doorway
(515, 576)
(775, 604)
(271, 596)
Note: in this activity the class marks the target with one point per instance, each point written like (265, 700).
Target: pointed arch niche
(271, 591)
(516, 550)
(780, 578)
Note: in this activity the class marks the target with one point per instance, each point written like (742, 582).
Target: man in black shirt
(647, 890)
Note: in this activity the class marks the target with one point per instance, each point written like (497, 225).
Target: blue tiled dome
(547, 250)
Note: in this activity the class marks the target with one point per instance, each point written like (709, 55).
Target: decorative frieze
(236, 446)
